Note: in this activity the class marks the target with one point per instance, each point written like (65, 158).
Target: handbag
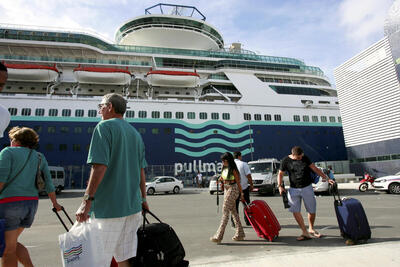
(39, 180)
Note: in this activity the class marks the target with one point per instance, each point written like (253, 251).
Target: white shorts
(119, 236)
(307, 194)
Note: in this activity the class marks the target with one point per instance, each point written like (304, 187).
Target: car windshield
(155, 179)
(264, 167)
(397, 173)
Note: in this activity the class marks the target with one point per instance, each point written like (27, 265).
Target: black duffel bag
(158, 245)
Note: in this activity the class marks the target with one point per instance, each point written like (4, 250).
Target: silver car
(213, 185)
(164, 184)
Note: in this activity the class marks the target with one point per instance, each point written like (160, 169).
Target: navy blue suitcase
(353, 222)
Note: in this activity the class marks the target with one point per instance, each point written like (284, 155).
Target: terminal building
(369, 99)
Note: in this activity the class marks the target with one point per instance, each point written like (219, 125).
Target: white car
(390, 183)
(213, 185)
(323, 185)
(164, 184)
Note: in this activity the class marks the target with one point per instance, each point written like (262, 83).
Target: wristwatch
(86, 197)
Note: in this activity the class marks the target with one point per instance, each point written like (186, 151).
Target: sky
(323, 33)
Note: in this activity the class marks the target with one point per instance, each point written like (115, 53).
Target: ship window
(323, 118)
(39, 112)
(63, 147)
(37, 129)
(167, 114)
(142, 114)
(49, 147)
(257, 117)
(191, 115)
(26, 112)
(246, 116)
(214, 116)
(64, 129)
(76, 147)
(90, 129)
(203, 115)
(53, 112)
(51, 129)
(226, 116)
(267, 117)
(92, 113)
(66, 113)
(155, 131)
(306, 118)
(155, 114)
(339, 119)
(332, 119)
(13, 111)
(324, 102)
(142, 130)
(79, 113)
(179, 115)
(78, 130)
(315, 118)
(167, 130)
(277, 117)
(296, 117)
(130, 114)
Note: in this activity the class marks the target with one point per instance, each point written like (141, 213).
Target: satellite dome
(392, 22)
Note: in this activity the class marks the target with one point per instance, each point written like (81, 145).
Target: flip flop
(303, 238)
(315, 234)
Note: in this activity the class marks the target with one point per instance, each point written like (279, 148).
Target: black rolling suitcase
(158, 245)
(353, 222)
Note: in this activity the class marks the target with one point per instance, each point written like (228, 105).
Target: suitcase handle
(61, 220)
(335, 193)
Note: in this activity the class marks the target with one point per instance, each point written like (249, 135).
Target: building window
(130, 114)
(39, 112)
(76, 147)
(323, 119)
(191, 115)
(155, 131)
(257, 117)
(51, 129)
(296, 117)
(142, 114)
(179, 115)
(315, 118)
(26, 112)
(203, 115)
(277, 117)
(155, 114)
(214, 116)
(79, 113)
(53, 112)
(167, 114)
(306, 118)
(78, 130)
(66, 113)
(226, 116)
(63, 147)
(332, 119)
(13, 111)
(267, 117)
(246, 116)
(64, 129)
(92, 113)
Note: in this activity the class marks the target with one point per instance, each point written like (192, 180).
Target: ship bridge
(170, 26)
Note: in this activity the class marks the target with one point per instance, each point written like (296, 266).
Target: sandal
(315, 234)
(303, 238)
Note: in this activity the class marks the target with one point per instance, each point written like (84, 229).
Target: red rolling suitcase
(262, 219)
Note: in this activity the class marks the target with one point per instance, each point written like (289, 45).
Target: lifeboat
(165, 78)
(96, 75)
(31, 73)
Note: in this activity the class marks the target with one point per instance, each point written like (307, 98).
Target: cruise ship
(190, 95)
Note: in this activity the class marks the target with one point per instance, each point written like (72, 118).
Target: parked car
(164, 184)
(58, 177)
(322, 186)
(390, 183)
(213, 185)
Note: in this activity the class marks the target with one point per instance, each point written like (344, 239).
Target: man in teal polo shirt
(116, 192)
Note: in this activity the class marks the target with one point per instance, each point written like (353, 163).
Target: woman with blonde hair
(19, 195)
(230, 178)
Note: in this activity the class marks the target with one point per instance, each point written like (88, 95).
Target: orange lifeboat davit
(31, 73)
(96, 75)
(166, 78)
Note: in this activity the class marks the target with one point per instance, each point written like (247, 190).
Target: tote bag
(82, 246)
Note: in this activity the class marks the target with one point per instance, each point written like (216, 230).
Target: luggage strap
(335, 193)
(61, 220)
(145, 219)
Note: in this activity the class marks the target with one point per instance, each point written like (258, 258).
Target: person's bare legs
(311, 221)
(300, 222)
(124, 264)
(15, 251)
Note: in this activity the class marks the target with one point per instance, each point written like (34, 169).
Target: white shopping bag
(82, 246)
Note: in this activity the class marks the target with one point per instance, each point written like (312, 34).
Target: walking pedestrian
(246, 181)
(116, 191)
(298, 166)
(230, 178)
(19, 165)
